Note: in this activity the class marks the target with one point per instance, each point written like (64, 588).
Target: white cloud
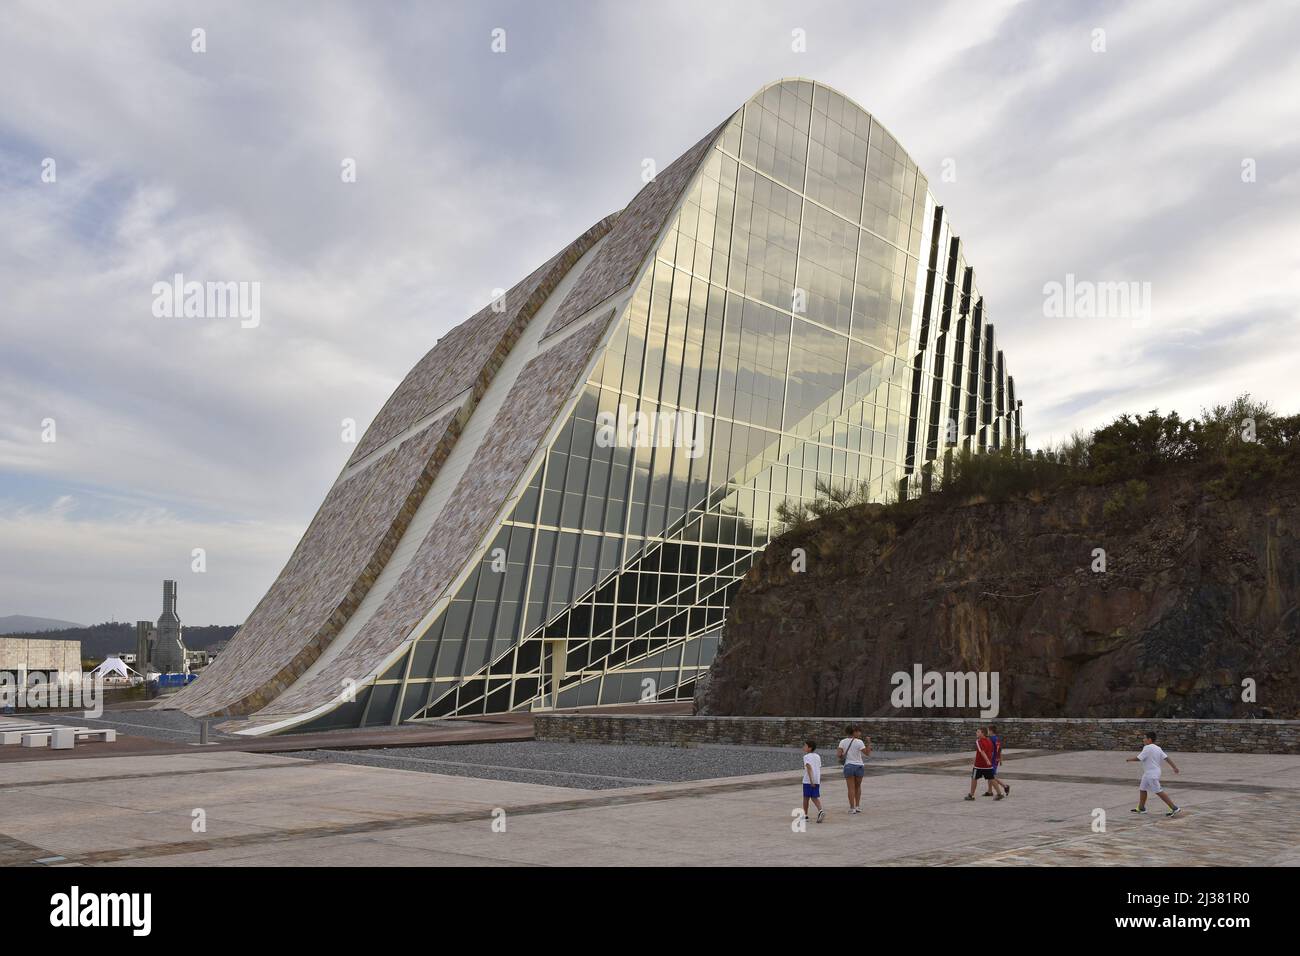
(110, 566)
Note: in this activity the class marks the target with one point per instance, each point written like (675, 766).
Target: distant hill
(100, 640)
(23, 624)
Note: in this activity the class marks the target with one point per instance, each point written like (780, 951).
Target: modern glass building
(556, 505)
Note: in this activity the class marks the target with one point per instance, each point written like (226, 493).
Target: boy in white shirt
(851, 751)
(1151, 758)
(812, 779)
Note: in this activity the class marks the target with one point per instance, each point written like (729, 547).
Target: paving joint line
(18, 784)
(602, 798)
(637, 781)
(16, 852)
(932, 770)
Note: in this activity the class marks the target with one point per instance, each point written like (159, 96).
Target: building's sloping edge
(340, 555)
(634, 236)
(537, 397)
(456, 362)
(345, 547)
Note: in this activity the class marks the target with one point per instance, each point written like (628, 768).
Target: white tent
(112, 666)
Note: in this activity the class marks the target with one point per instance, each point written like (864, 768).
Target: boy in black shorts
(983, 767)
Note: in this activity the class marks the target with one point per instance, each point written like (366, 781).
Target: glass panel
(817, 362)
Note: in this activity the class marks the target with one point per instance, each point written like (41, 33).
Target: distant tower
(168, 651)
(144, 643)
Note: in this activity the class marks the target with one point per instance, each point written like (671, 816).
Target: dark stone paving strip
(16, 852)
(599, 798)
(942, 767)
(941, 770)
(401, 763)
(142, 776)
(965, 761)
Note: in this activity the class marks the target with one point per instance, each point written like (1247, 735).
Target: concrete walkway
(260, 809)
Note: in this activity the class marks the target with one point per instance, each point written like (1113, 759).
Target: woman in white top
(852, 752)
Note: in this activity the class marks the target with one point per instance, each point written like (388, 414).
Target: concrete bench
(9, 723)
(8, 736)
(60, 738)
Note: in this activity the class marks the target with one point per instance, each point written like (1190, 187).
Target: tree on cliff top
(1232, 448)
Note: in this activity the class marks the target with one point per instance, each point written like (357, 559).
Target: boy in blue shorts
(812, 779)
(996, 740)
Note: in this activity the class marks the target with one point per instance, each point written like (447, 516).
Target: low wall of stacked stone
(935, 734)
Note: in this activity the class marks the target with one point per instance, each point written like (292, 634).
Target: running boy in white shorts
(1151, 759)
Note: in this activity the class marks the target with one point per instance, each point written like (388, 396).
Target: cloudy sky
(1104, 141)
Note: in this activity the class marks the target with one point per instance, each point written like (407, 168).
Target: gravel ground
(587, 766)
(555, 764)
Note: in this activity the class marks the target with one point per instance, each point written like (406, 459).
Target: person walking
(851, 752)
(997, 761)
(1151, 758)
(812, 779)
(983, 766)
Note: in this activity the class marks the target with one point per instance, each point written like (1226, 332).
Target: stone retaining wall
(938, 734)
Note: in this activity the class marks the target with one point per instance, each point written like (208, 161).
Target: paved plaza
(270, 809)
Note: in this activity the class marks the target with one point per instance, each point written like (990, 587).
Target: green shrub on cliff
(1128, 497)
(995, 476)
(1230, 447)
(1233, 449)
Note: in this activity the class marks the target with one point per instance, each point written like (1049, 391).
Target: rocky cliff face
(1197, 595)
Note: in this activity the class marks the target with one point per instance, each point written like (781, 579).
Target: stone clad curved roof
(633, 236)
(349, 540)
(268, 666)
(458, 360)
(498, 465)
(368, 510)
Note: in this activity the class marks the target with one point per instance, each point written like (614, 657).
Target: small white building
(113, 671)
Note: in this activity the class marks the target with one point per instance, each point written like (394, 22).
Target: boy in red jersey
(997, 761)
(983, 768)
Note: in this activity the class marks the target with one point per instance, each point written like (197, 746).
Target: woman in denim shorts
(853, 751)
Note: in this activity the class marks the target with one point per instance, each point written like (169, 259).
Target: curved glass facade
(807, 318)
